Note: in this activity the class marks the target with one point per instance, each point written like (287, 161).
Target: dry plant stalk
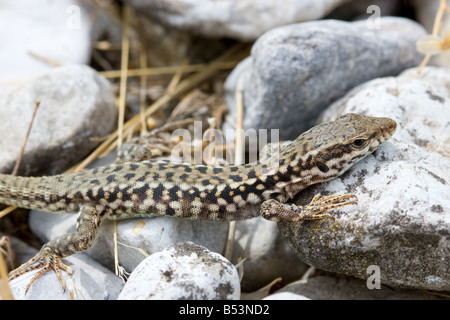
(19, 160)
(225, 65)
(433, 44)
(239, 159)
(5, 290)
(184, 87)
(9, 209)
(123, 70)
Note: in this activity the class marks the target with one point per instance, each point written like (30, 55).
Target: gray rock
(267, 256)
(139, 238)
(183, 271)
(342, 288)
(401, 224)
(257, 240)
(296, 71)
(76, 104)
(365, 10)
(239, 19)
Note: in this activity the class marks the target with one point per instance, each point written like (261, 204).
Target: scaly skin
(139, 189)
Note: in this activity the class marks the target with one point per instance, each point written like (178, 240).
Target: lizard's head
(335, 146)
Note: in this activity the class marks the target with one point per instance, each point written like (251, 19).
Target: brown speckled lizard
(138, 189)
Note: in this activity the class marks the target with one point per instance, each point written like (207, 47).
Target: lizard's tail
(17, 191)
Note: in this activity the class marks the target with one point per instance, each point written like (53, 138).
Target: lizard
(164, 188)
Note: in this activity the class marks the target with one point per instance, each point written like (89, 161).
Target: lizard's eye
(359, 143)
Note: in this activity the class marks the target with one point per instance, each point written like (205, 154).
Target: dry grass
(428, 47)
(5, 250)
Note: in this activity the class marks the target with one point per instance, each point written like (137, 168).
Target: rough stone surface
(76, 105)
(137, 238)
(343, 288)
(266, 255)
(240, 19)
(183, 271)
(257, 240)
(402, 222)
(152, 235)
(296, 71)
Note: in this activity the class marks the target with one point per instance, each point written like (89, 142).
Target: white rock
(402, 223)
(296, 71)
(257, 240)
(152, 235)
(183, 271)
(77, 104)
(57, 30)
(286, 296)
(240, 19)
(89, 281)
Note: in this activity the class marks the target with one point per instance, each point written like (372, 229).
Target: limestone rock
(239, 19)
(76, 104)
(183, 271)
(401, 224)
(296, 71)
(59, 31)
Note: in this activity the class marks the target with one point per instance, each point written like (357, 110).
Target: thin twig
(437, 23)
(423, 63)
(225, 65)
(116, 254)
(5, 290)
(438, 18)
(47, 60)
(177, 77)
(143, 89)
(19, 159)
(10, 209)
(7, 210)
(124, 70)
(184, 87)
(239, 159)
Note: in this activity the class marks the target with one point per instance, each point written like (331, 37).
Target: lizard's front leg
(274, 210)
(51, 254)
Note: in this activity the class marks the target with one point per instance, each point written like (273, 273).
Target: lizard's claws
(44, 261)
(275, 211)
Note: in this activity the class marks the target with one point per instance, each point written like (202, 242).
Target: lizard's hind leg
(51, 254)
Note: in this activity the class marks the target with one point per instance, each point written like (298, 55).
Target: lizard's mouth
(390, 128)
(387, 130)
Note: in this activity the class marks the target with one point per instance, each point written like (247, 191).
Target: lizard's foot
(44, 261)
(277, 211)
